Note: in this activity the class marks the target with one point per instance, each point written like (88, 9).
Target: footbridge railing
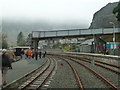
(74, 32)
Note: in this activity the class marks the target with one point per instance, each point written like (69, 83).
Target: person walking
(36, 54)
(44, 54)
(29, 53)
(25, 54)
(6, 65)
(11, 55)
(40, 53)
(104, 49)
(22, 54)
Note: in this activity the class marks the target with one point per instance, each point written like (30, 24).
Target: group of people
(32, 54)
(8, 56)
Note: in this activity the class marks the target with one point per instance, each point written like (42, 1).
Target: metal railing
(74, 32)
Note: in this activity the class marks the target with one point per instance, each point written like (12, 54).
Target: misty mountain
(102, 17)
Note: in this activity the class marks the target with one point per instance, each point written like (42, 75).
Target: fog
(30, 15)
(78, 12)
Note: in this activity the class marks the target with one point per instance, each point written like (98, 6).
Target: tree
(28, 39)
(116, 11)
(4, 42)
(58, 44)
(21, 39)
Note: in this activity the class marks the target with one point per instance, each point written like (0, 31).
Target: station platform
(22, 67)
(96, 55)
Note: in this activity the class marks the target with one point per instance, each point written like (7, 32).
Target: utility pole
(113, 37)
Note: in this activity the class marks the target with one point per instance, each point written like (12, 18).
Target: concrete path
(23, 67)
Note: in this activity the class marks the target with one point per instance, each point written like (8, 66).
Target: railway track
(110, 67)
(101, 62)
(96, 74)
(37, 80)
(102, 65)
(77, 76)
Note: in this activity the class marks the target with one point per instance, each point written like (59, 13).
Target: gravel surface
(110, 61)
(112, 77)
(64, 77)
(89, 80)
(114, 68)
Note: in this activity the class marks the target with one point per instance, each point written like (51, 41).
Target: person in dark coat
(22, 53)
(104, 49)
(36, 54)
(40, 53)
(6, 64)
(44, 54)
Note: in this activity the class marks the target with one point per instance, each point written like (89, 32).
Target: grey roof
(88, 42)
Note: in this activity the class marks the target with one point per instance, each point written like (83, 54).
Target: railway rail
(95, 73)
(110, 67)
(102, 64)
(38, 78)
(77, 76)
(36, 81)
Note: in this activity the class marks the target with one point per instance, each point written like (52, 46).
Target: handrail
(73, 32)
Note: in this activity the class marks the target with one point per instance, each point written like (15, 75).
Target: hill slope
(102, 17)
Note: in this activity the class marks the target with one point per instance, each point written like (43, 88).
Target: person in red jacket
(29, 53)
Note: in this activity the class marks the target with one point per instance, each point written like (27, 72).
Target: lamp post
(94, 43)
(113, 36)
(94, 48)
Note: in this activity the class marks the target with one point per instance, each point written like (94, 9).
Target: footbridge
(74, 33)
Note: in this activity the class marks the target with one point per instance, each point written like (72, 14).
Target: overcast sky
(52, 10)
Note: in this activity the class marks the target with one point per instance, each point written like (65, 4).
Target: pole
(94, 49)
(114, 38)
(93, 43)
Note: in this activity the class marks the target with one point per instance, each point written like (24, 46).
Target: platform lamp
(113, 37)
(94, 48)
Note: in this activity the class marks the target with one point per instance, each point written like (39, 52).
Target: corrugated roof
(88, 42)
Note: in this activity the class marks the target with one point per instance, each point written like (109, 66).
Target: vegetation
(116, 11)
(28, 39)
(4, 42)
(72, 47)
(21, 40)
(67, 48)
